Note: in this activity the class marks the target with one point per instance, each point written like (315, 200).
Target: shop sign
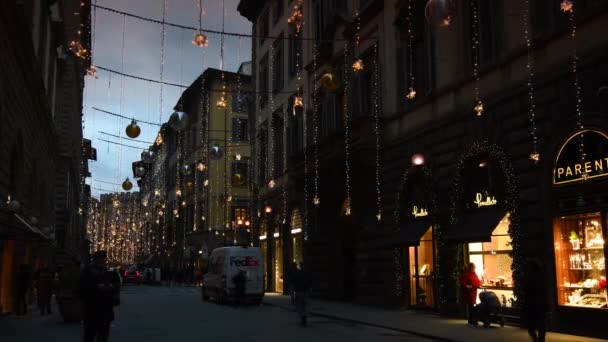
(569, 165)
(489, 201)
(419, 212)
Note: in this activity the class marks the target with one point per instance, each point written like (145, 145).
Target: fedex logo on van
(244, 261)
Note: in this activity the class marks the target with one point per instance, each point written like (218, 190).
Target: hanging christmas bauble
(127, 185)
(186, 170)
(200, 40)
(140, 171)
(439, 13)
(216, 152)
(133, 130)
(238, 179)
(178, 121)
(329, 82)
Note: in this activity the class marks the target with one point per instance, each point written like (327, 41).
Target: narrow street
(155, 314)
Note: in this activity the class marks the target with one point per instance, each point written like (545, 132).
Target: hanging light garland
(535, 155)
(297, 17)
(411, 94)
(568, 8)
(358, 65)
(271, 133)
(478, 109)
(377, 111)
(315, 121)
(348, 208)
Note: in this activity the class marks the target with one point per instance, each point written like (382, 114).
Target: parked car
(132, 276)
(224, 264)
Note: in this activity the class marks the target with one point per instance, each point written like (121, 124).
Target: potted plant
(68, 296)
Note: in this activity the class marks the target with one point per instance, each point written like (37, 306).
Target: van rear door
(249, 260)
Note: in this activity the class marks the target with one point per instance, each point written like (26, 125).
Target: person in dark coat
(23, 285)
(536, 304)
(293, 268)
(470, 283)
(99, 289)
(240, 287)
(301, 285)
(44, 285)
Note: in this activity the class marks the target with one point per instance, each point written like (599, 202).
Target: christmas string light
(411, 94)
(479, 109)
(535, 155)
(358, 64)
(570, 10)
(377, 110)
(315, 122)
(163, 38)
(271, 133)
(348, 208)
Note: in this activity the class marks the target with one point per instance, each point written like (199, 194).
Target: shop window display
(493, 262)
(421, 271)
(580, 260)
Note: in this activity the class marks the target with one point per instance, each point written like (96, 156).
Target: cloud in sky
(141, 56)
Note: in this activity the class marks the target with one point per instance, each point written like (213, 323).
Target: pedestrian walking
(536, 303)
(23, 285)
(240, 288)
(44, 287)
(293, 268)
(301, 285)
(470, 283)
(99, 290)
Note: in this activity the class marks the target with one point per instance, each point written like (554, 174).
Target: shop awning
(476, 226)
(409, 235)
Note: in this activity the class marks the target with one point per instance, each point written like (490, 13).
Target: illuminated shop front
(579, 224)
(277, 257)
(481, 222)
(264, 248)
(416, 237)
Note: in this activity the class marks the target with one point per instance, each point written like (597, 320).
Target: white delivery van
(224, 264)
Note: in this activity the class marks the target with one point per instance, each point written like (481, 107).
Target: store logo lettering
(488, 202)
(419, 212)
(246, 261)
(589, 168)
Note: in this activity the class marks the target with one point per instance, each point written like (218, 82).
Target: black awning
(409, 235)
(476, 226)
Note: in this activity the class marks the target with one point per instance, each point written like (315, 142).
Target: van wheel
(204, 293)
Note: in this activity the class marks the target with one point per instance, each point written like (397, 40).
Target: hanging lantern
(358, 66)
(222, 103)
(267, 209)
(127, 185)
(186, 170)
(133, 130)
(439, 13)
(216, 152)
(178, 121)
(140, 171)
(238, 179)
(200, 40)
(329, 82)
(247, 223)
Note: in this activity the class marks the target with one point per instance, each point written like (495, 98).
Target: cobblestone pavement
(153, 314)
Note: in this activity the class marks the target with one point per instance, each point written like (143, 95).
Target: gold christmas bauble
(238, 179)
(329, 82)
(133, 130)
(127, 185)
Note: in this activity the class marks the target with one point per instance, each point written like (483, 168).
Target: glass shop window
(580, 260)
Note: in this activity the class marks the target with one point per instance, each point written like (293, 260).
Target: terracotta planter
(71, 308)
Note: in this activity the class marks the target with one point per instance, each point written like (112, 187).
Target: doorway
(278, 265)
(422, 264)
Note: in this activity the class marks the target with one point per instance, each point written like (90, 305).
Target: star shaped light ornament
(238, 156)
(222, 103)
(479, 109)
(566, 6)
(358, 66)
(316, 200)
(411, 94)
(92, 71)
(271, 184)
(535, 157)
(200, 40)
(379, 216)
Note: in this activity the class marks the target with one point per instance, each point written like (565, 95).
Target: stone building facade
(40, 76)
(483, 193)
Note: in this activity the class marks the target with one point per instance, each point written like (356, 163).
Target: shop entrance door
(278, 266)
(264, 249)
(422, 261)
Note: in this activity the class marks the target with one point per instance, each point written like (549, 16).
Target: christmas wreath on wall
(452, 254)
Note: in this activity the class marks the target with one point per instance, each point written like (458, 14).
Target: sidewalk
(424, 325)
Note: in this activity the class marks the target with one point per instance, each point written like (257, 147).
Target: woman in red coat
(470, 283)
